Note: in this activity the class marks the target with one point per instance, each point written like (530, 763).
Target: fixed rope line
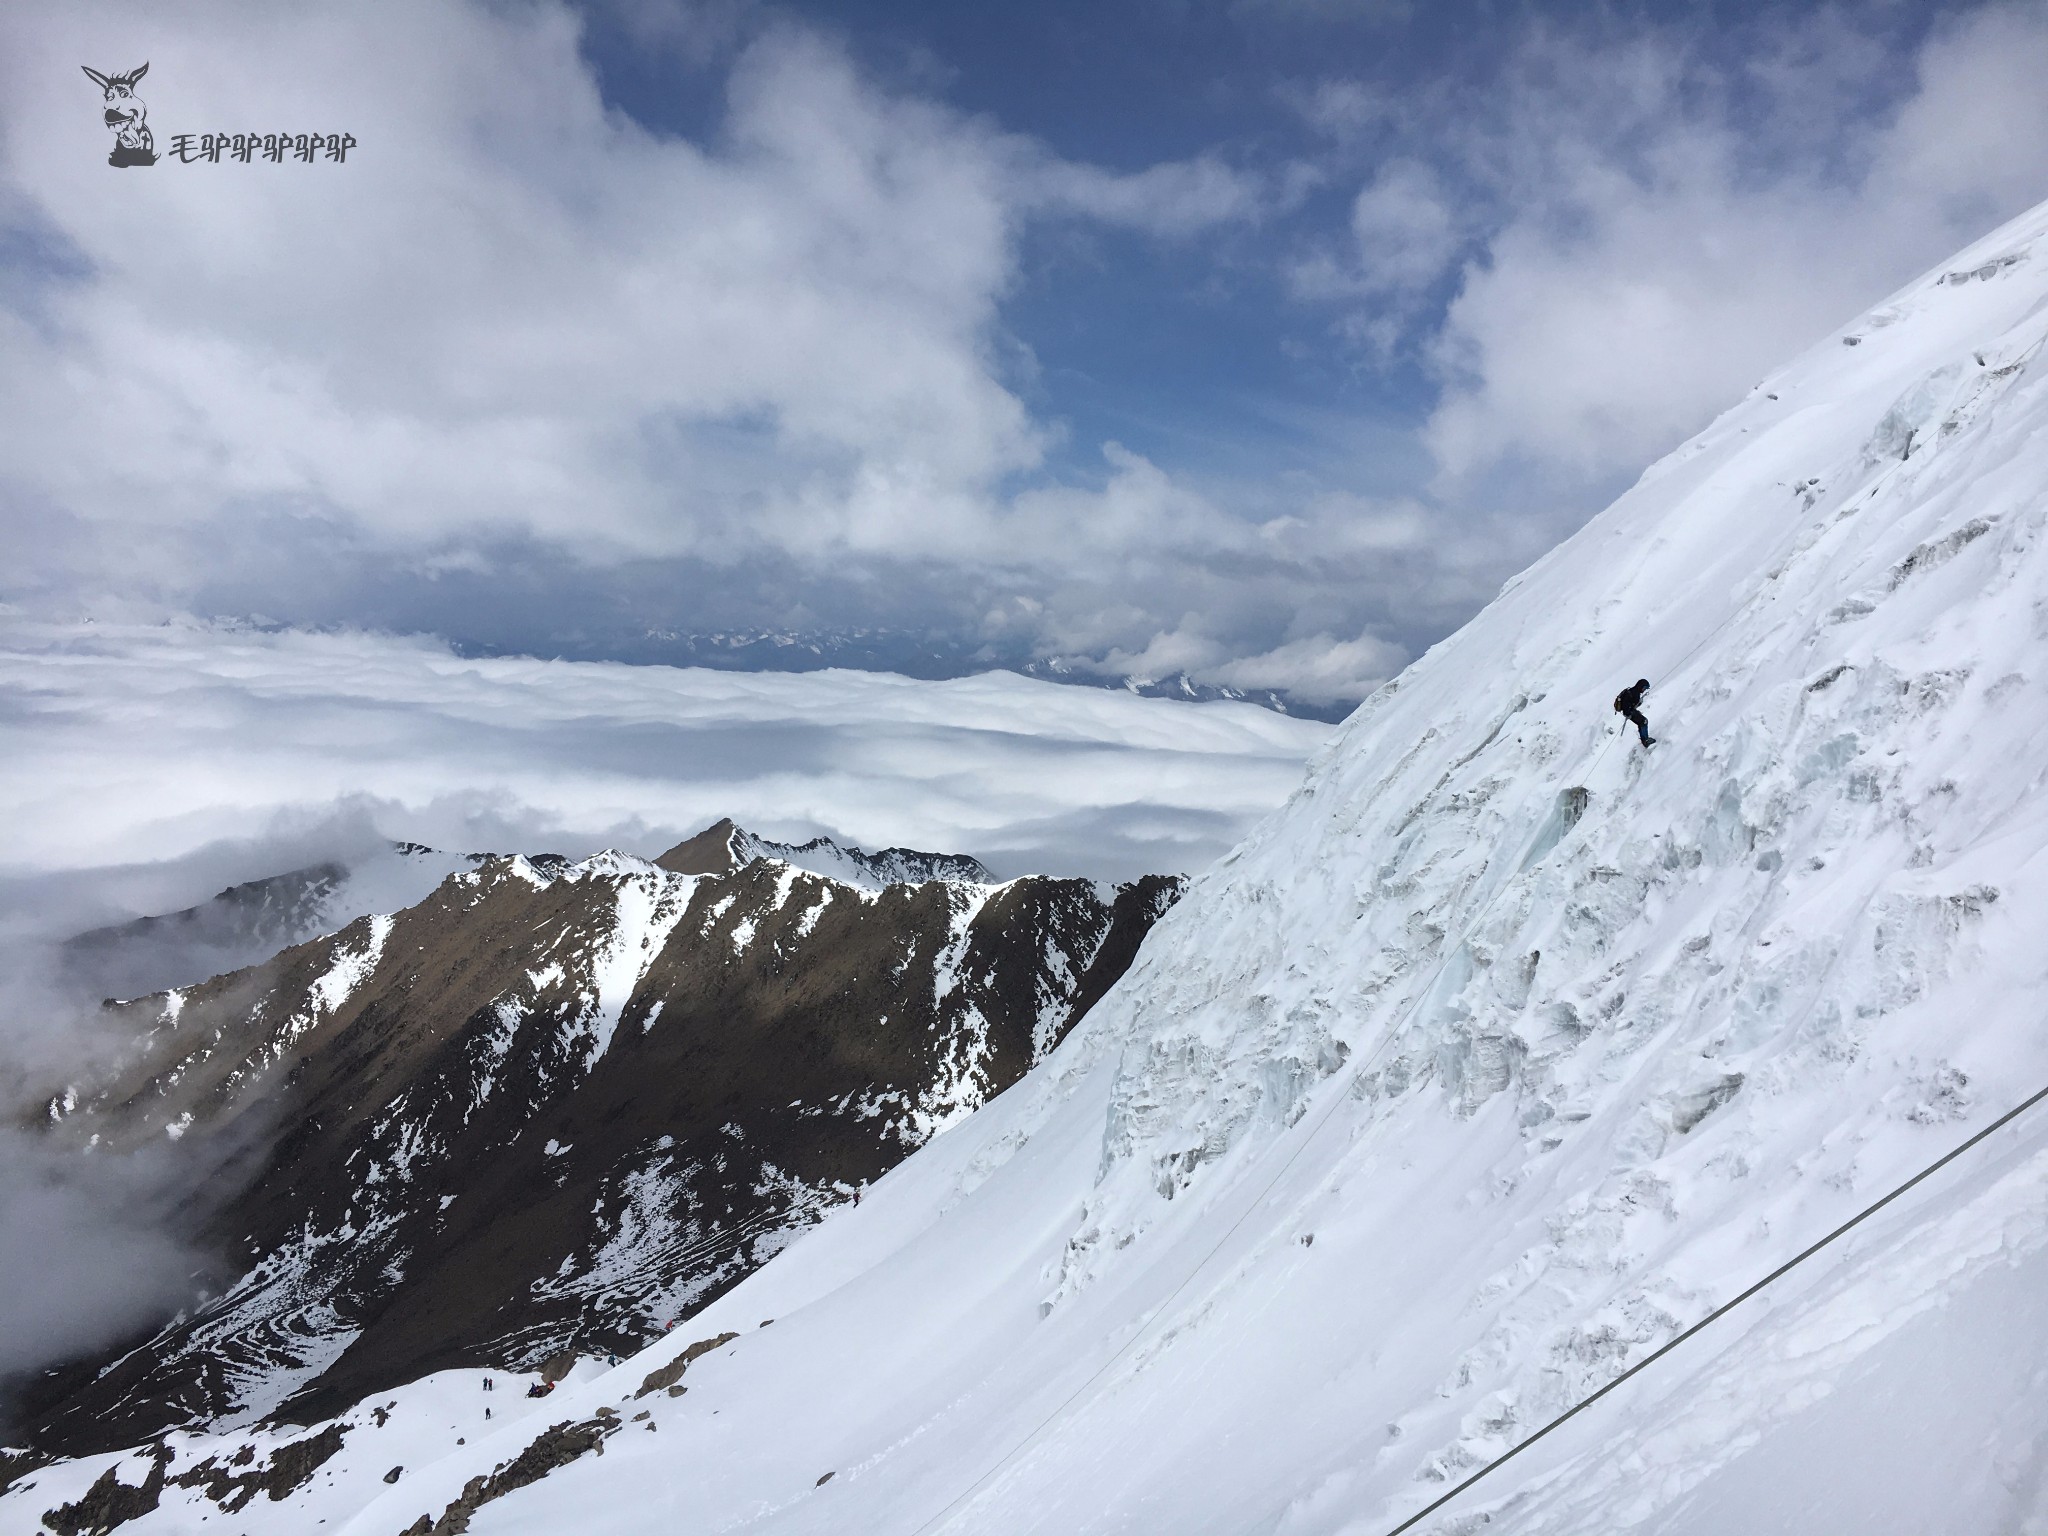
(945, 1513)
(1612, 736)
(1726, 1307)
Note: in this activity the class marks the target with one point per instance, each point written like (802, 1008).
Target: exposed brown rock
(109, 1502)
(289, 1467)
(557, 1366)
(475, 1164)
(17, 1464)
(668, 1375)
(556, 1447)
(710, 852)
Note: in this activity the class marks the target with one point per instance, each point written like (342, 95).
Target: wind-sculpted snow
(1703, 998)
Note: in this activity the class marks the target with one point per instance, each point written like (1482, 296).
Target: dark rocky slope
(243, 923)
(560, 1105)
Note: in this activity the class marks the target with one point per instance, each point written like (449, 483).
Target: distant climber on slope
(1629, 705)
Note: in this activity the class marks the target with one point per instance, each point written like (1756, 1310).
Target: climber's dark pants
(1642, 726)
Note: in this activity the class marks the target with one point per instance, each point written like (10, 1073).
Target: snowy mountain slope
(1500, 1055)
(559, 1105)
(318, 1475)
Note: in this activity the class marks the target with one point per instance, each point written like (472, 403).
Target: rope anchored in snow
(1315, 1124)
(1721, 1311)
(944, 1516)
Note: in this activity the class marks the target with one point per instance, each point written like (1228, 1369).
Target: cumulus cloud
(1318, 668)
(1178, 198)
(1405, 230)
(514, 309)
(1650, 225)
(535, 375)
(518, 330)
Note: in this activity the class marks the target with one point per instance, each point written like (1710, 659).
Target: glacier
(1499, 1056)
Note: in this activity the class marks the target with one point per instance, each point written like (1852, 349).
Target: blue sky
(1258, 340)
(1201, 353)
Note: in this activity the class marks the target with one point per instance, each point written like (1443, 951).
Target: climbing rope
(945, 1514)
(1612, 737)
(1351, 1081)
(1721, 1311)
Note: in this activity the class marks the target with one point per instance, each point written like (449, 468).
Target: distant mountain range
(553, 1105)
(913, 654)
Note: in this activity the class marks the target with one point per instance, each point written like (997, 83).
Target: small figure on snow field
(1629, 705)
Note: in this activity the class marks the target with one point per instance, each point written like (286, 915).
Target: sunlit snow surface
(1500, 1055)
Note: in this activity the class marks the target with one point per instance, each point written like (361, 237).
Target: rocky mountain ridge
(558, 1105)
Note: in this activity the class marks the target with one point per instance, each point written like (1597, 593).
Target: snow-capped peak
(723, 846)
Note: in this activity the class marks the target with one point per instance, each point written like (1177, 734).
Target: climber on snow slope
(1629, 705)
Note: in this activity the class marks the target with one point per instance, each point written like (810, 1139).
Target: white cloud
(1405, 230)
(1178, 198)
(512, 308)
(1405, 224)
(1638, 221)
(1315, 669)
(518, 328)
(149, 743)
(87, 1251)
(1667, 237)
(516, 310)
(527, 371)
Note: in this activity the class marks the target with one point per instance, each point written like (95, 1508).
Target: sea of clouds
(151, 765)
(151, 744)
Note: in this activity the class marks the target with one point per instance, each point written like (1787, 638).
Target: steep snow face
(1505, 1052)
(1569, 1042)
(1575, 1040)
